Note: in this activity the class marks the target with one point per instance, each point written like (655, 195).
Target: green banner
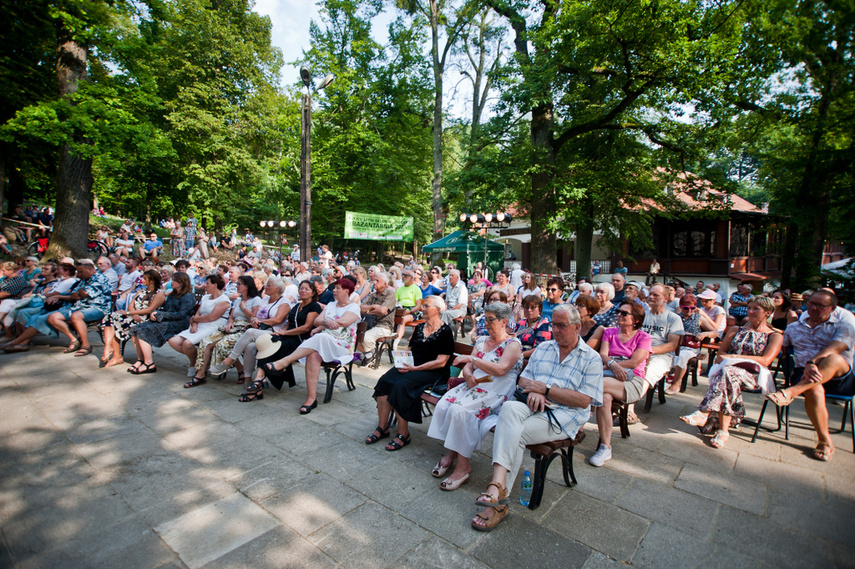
(377, 227)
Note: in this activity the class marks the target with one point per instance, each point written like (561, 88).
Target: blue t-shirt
(149, 245)
(430, 290)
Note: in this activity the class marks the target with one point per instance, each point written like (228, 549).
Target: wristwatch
(811, 362)
(546, 393)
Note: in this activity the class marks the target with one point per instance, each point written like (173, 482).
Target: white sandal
(719, 439)
(696, 419)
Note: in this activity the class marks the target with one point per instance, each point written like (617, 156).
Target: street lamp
(283, 224)
(306, 159)
(486, 221)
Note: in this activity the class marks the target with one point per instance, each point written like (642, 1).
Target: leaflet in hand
(402, 357)
(482, 376)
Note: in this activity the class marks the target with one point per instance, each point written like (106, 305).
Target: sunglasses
(689, 307)
(553, 289)
(623, 313)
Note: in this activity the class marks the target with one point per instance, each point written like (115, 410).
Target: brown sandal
(486, 500)
(780, 398)
(492, 517)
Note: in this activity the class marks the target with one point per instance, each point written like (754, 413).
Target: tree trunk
(74, 176)
(2, 181)
(149, 196)
(584, 242)
(814, 197)
(15, 188)
(789, 256)
(543, 242)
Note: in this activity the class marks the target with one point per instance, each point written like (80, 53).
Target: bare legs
(57, 321)
(384, 411)
(403, 326)
(313, 370)
(184, 346)
(830, 367)
(613, 390)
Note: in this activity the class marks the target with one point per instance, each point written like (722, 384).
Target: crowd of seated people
(538, 376)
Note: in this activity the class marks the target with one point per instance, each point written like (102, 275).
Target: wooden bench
(344, 367)
(543, 455)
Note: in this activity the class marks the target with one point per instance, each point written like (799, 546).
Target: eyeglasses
(561, 326)
(553, 289)
(688, 307)
(490, 319)
(816, 305)
(623, 313)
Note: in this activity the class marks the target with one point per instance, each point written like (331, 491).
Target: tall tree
(799, 95)
(587, 66)
(371, 133)
(446, 21)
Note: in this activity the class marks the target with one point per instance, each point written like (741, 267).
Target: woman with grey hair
(400, 389)
(607, 317)
(270, 317)
(489, 376)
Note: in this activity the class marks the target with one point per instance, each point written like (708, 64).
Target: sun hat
(266, 346)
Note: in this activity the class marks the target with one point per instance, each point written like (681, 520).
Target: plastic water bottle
(525, 489)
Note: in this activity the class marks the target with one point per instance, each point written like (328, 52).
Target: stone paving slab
(99, 468)
(211, 531)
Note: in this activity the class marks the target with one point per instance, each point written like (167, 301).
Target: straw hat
(266, 346)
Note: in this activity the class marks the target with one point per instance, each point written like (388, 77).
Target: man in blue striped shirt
(564, 374)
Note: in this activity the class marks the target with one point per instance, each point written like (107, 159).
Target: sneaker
(366, 357)
(599, 458)
(218, 369)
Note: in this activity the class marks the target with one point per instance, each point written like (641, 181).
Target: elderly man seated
(91, 301)
(105, 267)
(822, 342)
(381, 305)
(456, 297)
(564, 373)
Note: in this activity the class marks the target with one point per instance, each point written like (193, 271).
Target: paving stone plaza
(104, 469)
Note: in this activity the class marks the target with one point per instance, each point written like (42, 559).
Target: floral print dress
(459, 413)
(724, 394)
(122, 323)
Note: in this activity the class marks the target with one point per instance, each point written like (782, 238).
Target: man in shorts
(822, 347)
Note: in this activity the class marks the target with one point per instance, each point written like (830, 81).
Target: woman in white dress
(216, 347)
(460, 416)
(210, 315)
(333, 338)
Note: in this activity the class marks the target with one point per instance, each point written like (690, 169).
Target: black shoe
(306, 409)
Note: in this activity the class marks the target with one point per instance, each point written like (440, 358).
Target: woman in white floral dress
(490, 375)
